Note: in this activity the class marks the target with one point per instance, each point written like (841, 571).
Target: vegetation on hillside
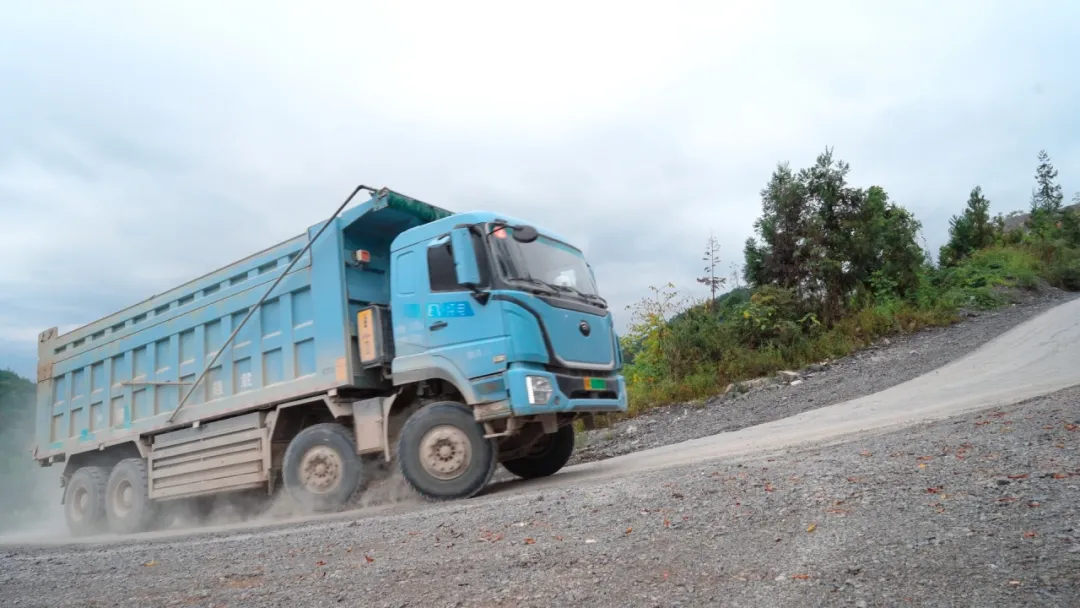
(832, 268)
(16, 441)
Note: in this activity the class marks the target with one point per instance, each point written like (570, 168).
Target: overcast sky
(142, 145)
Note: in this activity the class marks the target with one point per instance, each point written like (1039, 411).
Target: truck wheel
(127, 501)
(443, 453)
(321, 470)
(84, 501)
(546, 456)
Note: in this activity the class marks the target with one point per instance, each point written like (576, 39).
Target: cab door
(458, 328)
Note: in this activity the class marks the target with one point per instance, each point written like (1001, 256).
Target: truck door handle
(437, 325)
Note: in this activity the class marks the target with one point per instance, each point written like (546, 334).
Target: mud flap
(368, 427)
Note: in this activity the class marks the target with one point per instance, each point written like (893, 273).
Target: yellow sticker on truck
(365, 327)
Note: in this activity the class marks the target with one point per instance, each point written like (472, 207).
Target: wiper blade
(549, 288)
(587, 296)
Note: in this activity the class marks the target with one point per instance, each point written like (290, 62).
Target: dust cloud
(31, 498)
(384, 487)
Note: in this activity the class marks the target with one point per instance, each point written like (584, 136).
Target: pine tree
(712, 260)
(970, 231)
(1046, 197)
(837, 207)
(784, 243)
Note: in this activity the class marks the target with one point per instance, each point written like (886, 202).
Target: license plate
(595, 384)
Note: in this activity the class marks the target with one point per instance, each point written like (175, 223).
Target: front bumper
(569, 392)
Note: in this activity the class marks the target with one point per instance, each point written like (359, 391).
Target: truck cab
(510, 315)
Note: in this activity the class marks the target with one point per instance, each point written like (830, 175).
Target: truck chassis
(321, 450)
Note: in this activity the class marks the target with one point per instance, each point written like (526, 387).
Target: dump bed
(123, 376)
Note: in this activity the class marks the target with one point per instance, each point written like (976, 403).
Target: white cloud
(146, 144)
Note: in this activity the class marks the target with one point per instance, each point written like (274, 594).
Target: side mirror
(525, 234)
(465, 266)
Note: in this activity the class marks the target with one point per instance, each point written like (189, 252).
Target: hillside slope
(887, 364)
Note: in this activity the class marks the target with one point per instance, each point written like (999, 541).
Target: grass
(848, 336)
(985, 280)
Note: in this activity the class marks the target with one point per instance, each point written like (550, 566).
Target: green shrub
(833, 268)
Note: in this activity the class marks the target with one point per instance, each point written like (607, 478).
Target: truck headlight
(539, 389)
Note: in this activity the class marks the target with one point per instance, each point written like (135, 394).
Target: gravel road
(982, 510)
(976, 510)
(888, 364)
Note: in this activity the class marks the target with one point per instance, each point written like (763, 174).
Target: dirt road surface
(958, 487)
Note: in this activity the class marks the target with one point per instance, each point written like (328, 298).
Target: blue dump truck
(394, 332)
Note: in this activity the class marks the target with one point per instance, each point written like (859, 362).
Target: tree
(1048, 195)
(970, 231)
(784, 244)
(826, 241)
(1070, 222)
(1046, 198)
(735, 275)
(712, 260)
(885, 256)
(838, 208)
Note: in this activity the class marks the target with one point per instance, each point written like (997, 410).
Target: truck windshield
(544, 260)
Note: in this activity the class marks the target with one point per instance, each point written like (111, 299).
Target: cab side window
(441, 274)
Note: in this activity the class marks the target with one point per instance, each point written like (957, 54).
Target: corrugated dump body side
(122, 376)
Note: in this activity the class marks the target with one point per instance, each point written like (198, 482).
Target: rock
(730, 387)
(886, 342)
(755, 383)
(630, 430)
(796, 382)
(787, 376)
(818, 367)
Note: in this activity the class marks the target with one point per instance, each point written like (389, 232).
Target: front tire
(321, 470)
(546, 457)
(84, 501)
(443, 454)
(127, 501)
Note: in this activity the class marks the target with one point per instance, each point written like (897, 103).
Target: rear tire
(443, 454)
(321, 470)
(127, 501)
(546, 457)
(84, 501)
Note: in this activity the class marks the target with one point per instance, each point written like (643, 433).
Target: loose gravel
(890, 362)
(981, 510)
(975, 511)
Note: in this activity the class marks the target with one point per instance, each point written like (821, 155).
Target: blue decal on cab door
(456, 308)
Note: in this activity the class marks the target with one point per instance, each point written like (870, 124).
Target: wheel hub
(123, 498)
(445, 452)
(540, 447)
(79, 503)
(320, 469)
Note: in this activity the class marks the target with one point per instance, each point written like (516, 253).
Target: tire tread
(98, 480)
(412, 470)
(550, 463)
